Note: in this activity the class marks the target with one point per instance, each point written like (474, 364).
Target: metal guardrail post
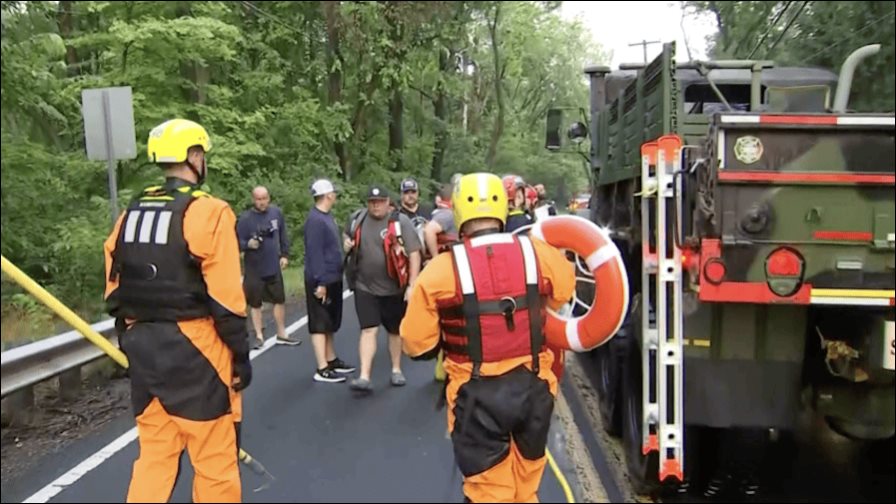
(70, 384)
(19, 407)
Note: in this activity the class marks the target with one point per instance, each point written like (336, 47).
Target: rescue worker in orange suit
(440, 233)
(174, 288)
(484, 305)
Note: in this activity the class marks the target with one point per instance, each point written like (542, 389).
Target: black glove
(242, 369)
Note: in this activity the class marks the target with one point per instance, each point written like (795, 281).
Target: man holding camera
(263, 239)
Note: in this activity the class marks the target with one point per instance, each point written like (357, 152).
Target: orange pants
(213, 453)
(559, 364)
(499, 427)
(514, 479)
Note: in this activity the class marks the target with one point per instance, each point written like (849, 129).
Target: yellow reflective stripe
(156, 198)
(854, 293)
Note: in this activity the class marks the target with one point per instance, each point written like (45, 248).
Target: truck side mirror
(577, 133)
(553, 140)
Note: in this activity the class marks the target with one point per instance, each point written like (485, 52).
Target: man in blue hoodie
(263, 239)
(323, 282)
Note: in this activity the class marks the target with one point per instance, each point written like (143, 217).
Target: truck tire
(642, 470)
(609, 363)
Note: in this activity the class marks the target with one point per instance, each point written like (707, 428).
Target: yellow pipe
(63, 311)
(560, 477)
(72, 318)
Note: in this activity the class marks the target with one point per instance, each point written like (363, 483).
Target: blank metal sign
(121, 118)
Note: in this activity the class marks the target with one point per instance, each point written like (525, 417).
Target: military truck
(756, 220)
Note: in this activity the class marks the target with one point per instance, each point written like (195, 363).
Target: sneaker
(257, 343)
(340, 367)
(361, 385)
(398, 379)
(749, 488)
(719, 485)
(328, 376)
(288, 340)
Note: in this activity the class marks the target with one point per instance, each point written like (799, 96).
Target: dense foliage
(290, 91)
(808, 33)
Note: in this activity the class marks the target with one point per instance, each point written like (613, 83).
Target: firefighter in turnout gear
(174, 288)
(517, 216)
(484, 305)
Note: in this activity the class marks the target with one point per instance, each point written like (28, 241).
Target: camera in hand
(262, 233)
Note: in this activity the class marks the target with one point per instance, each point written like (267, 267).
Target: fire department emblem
(748, 149)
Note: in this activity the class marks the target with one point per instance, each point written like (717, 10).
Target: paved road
(321, 442)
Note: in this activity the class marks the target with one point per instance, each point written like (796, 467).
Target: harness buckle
(508, 306)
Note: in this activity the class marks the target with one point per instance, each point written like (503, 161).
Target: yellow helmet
(477, 196)
(170, 141)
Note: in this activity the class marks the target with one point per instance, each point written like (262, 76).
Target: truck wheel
(643, 471)
(609, 364)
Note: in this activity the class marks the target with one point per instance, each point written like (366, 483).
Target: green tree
(290, 91)
(812, 34)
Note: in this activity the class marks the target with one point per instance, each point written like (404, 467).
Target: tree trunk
(396, 100)
(723, 28)
(334, 86)
(498, 130)
(66, 29)
(440, 108)
(396, 127)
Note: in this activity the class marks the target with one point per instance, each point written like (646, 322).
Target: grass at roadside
(25, 319)
(294, 281)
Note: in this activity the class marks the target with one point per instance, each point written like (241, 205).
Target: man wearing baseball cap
(410, 202)
(323, 282)
(380, 282)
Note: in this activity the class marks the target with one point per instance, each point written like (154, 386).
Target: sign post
(109, 131)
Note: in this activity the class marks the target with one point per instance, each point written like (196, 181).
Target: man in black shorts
(323, 282)
(380, 299)
(262, 237)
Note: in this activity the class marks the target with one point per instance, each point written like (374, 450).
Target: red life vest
(397, 261)
(498, 311)
(445, 241)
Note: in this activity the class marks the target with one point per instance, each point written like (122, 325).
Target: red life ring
(606, 314)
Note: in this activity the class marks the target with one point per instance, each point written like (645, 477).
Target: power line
(745, 39)
(269, 16)
(789, 24)
(857, 32)
(771, 26)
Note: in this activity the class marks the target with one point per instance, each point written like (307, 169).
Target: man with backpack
(382, 266)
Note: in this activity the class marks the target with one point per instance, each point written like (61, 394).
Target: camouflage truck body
(784, 219)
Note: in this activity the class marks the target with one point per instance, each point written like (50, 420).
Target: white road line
(92, 462)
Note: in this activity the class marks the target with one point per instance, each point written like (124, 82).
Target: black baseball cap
(409, 184)
(377, 192)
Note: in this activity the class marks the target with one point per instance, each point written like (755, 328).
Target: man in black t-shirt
(419, 214)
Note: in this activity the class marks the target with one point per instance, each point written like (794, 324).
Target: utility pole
(644, 43)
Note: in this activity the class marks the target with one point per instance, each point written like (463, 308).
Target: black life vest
(158, 278)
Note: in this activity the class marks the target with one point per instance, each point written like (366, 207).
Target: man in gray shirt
(440, 232)
(380, 294)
